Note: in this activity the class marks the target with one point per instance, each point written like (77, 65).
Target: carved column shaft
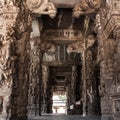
(34, 76)
(45, 77)
(8, 17)
(20, 96)
(73, 84)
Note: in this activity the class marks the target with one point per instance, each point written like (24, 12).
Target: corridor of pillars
(57, 47)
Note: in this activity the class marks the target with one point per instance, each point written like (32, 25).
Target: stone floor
(64, 117)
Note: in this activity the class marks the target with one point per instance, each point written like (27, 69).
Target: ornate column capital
(8, 15)
(41, 7)
(86, 7)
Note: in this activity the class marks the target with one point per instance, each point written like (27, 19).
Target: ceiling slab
(64, 3)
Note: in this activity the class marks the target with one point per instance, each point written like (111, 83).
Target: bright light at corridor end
(59, 104)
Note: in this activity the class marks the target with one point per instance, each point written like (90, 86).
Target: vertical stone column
(73, 84)
(68, 94)
(107, 77)
(34, 76)
(8, 15)
(116, 33)
(45, 75)
(90, 82)
(22, 34)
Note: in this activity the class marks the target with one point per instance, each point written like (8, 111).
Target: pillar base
(16, 117)
(107, 117)
(4, 117)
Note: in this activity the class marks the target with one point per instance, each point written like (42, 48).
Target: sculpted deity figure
(102, 89)
(90, 95)
(49, 52)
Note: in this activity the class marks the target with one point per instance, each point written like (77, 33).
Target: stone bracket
(86, 7)
(41, 7)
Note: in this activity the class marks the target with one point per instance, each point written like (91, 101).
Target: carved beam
(41, 7)
(86, 7)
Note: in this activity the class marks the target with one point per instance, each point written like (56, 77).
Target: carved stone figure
(6, 90)
(102, 90)
(90, 94)
(50, 54)
(49, 50)
(90, 41)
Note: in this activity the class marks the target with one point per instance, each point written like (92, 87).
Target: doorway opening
(59, 104)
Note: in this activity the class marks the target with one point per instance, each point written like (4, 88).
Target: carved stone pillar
(116, 33)
(45, 77)
(34, 77)
(22, 34)
(73, 84)
(8, 15)
(90, 82)
(107, 78)
(116, 90)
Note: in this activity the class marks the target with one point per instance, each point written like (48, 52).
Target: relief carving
(102, 90)
(49, 50)
(41, 7)
(90, 95)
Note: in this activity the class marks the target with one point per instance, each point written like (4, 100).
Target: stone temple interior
(69, 48)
